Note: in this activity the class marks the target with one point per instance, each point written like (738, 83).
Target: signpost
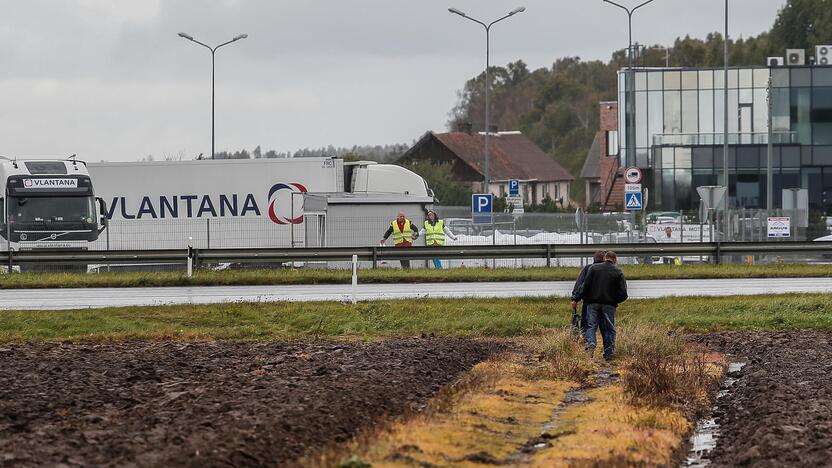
(514, 199)
(633, 175)
(482, 208)
(633, 201)
(779, 226)
(513, 187)
(711, 195)
(633, 198)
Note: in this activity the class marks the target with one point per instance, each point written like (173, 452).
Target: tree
(440, 178)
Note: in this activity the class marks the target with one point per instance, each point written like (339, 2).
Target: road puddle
(704, 438)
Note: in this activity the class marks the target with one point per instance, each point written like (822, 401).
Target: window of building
(612, 143)
(682, 159)
(641, 81)
(641, 120)
(780, 77)
(801, 77)
(706, 79)
(822, 116)
(502, 190)
(672, 112)
(800, 114)
(689, 79)
(733, 78)
(760, 110)
(761, 77)
(746, 78)
(655, 113)
(702, 158)
(822, 76)
(706, 111)
(672, 80)
(654, 81)
(690, 112)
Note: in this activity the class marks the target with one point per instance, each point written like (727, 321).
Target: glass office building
(677, 133)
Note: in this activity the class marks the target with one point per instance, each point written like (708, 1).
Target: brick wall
(609, 165)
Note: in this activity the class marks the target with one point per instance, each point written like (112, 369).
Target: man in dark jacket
(603, 289)
(580, 325)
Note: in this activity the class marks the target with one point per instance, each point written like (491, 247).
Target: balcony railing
(715, 139)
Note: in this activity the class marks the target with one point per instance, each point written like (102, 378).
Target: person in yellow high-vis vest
(435, 232)
(403, 232)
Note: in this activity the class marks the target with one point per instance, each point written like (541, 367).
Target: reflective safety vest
(401, 236)
(435, 233)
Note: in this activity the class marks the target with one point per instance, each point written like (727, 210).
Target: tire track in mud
(779, 411)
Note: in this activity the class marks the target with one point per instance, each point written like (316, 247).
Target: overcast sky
(110, 79)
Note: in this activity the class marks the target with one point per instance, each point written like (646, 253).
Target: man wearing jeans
(603, 289)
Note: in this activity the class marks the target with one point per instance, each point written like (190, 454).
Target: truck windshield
(51, 209)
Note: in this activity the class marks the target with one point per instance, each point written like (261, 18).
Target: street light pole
(629, 96)
(487, 179)
(213, 53)
(725, 178)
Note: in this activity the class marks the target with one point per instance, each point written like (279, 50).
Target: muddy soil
(210, 404)
(779, 411)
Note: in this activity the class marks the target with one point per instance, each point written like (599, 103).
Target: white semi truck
(48, 204)
(249, 203)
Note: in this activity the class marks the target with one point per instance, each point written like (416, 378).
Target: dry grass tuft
(563, 354)
(659, 369)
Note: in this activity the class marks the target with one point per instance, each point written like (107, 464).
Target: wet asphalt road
(65, 299)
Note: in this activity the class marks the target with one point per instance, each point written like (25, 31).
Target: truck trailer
(49, 204)
(241, 203)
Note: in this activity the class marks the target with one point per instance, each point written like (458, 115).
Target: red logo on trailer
(280, 202)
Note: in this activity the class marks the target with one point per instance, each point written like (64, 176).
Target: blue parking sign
(514, 187)
(633, 201)
(481, 208)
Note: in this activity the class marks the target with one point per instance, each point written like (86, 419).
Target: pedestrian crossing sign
(633, 201)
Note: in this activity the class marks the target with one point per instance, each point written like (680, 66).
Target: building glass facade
(678, 133)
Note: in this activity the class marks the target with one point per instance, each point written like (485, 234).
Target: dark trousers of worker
(405, 263)
(600, 316)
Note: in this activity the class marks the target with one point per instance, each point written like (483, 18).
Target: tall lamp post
(213, 52)
(630, 105)
(487, 27)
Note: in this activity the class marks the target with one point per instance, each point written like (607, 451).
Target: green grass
(464, 317)
(313, 276)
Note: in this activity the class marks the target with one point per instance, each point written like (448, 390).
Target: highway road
(66, 299)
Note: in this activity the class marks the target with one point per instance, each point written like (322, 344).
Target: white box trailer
(229, 203)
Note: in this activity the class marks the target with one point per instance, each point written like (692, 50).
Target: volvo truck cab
(48, 204)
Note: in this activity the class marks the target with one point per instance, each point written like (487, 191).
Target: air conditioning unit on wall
(775, 61)
(823, 55)
(795, 57)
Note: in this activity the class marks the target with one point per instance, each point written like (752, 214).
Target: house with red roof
(512, 156)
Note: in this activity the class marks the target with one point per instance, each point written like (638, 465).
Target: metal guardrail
(714, 250)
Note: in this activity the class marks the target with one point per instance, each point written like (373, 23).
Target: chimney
(465, 127)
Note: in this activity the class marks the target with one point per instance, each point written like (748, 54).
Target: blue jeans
(600, 316)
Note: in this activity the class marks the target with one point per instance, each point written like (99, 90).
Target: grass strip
(389, 275)
(370, 320)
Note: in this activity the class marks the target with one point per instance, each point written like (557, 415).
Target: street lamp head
(517, 10)
(185, 36)
(457, 12)
(241, 36)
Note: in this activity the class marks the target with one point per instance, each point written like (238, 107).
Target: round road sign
(633, 175)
